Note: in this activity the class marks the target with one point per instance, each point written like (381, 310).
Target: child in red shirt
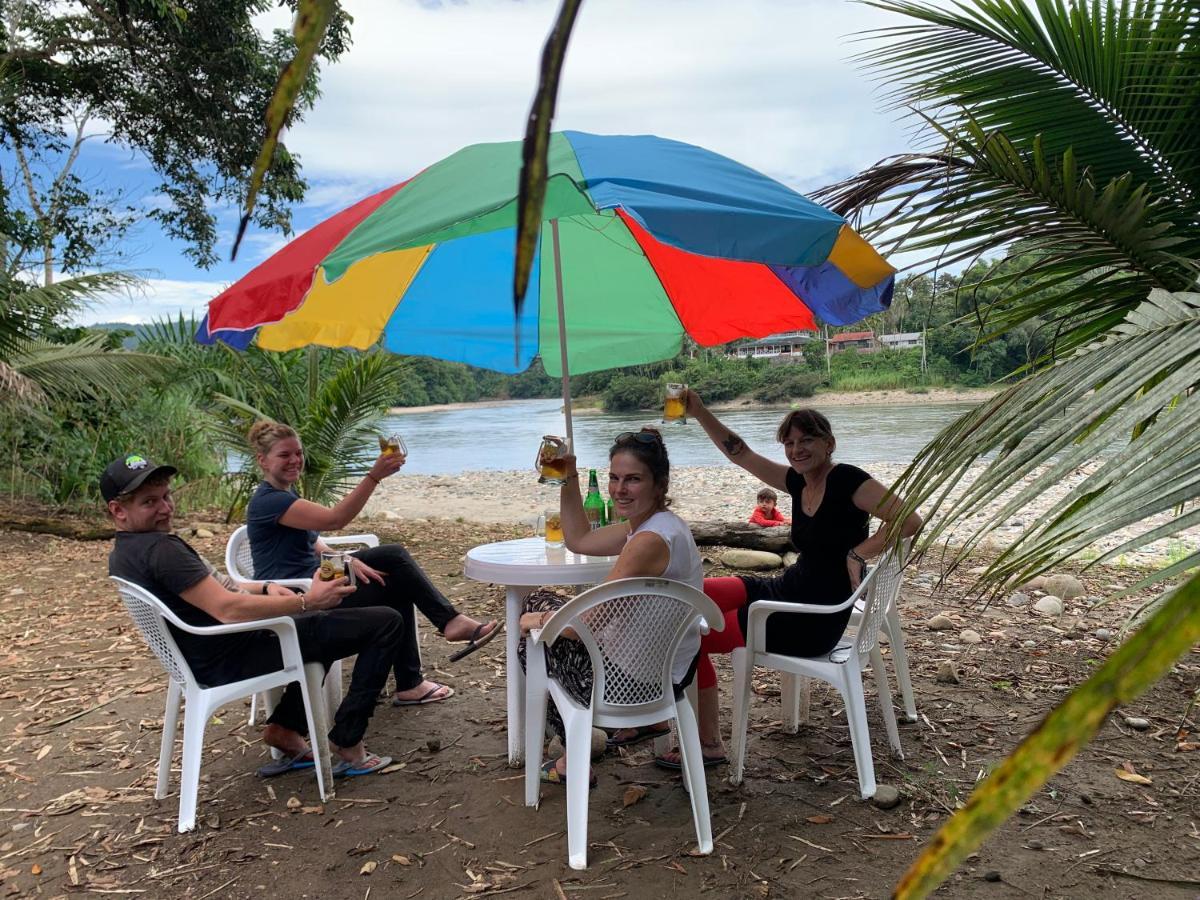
(765, 513)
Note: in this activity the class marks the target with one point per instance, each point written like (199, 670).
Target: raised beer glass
(392, 443)
(674, 406)
(550, 463)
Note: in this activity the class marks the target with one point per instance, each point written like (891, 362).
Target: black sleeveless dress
(823, 540)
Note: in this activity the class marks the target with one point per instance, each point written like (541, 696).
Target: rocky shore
(720, 493)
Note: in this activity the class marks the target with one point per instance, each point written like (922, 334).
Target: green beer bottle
(593, 503)
(609, 516)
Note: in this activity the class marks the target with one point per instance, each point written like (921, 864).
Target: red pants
(729, 594)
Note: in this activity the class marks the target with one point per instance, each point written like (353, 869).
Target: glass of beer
(550, 464)
(554, 532)
(335, 564)
(675, 406)
(392, 443)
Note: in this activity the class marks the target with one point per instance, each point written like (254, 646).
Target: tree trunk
(743, 534)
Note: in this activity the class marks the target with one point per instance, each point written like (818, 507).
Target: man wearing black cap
(138, 495)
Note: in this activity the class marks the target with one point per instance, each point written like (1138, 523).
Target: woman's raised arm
(735, 449)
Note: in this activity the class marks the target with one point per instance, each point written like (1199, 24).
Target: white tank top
(684, 564)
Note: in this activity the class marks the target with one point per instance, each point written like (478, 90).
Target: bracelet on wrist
(303, 602)
(374, 479)
(854, 555)
(266, 584)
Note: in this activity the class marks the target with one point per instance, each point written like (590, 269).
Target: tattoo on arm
(733, 444)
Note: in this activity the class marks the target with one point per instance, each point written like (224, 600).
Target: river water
(505, 436)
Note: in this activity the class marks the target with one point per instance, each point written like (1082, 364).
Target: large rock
(790, 558)
(970, 636)
(1017, 598)
(1068, 587)
(1049, 606)
(755, 560)
(1037, 583)
(940, 622)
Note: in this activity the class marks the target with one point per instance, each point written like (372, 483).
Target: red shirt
(757, 518)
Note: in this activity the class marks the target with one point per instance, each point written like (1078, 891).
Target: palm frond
(87, 367)
(1069, 416)
(1114, 82)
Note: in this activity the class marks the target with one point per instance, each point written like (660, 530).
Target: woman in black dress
(831, 505)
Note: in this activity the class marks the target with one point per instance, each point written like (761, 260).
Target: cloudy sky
(770, 83)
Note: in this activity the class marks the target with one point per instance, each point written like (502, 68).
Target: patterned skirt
(567, 661)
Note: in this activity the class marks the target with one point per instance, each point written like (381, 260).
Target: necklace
(813, 492)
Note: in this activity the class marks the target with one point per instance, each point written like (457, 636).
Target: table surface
(528, 561)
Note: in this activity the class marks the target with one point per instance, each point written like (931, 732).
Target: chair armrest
(369, 540)
(303, 584)
(281, 625)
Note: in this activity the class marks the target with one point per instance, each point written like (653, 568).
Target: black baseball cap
(128, 473)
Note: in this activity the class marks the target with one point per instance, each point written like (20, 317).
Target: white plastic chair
(151, 616)
(631, 628)
(239, 563)
(842, 667)
(895, 633)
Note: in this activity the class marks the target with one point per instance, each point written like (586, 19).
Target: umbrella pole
(562, 333)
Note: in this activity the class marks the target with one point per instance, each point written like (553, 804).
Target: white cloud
(156, 298)
(766, 82)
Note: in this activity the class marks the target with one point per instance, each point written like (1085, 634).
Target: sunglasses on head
(642, 437)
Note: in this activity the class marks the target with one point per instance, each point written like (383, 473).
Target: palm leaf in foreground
(1139, 380)
(1136, 665)
(86, 368)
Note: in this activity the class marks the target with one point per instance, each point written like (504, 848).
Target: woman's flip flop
(286, 764)
(640, 733)
(476, 640)
(664, 762)
(551, 775)
(426, 698)
(370, 762)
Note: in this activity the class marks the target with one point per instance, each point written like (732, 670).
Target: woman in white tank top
(653, 542)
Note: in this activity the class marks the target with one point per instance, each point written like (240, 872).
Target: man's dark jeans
(375, 633)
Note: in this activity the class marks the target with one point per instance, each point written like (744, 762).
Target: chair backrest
(239, 562)
(632, 629)
(151, 615)
(883, 588)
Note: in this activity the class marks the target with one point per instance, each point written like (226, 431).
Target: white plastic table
(520, 566)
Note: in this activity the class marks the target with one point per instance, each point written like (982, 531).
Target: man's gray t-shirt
(166, 566)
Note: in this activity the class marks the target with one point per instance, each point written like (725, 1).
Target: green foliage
(631, 392)
(184, 88)
(786, 384)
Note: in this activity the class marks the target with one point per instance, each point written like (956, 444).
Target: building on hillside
(777, 346)
(862, 341)
(901, 341)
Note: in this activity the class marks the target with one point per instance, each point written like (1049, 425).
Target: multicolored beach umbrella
(648, 239)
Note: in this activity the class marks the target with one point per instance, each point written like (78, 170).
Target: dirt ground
(81, 704)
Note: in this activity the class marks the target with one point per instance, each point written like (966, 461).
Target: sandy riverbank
(716, 493)
(826, 398)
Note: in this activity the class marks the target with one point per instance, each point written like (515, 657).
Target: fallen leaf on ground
(1133, 777)
(401, 860)
(368, 867)
(44, 752)
(819, 820)
(632, 795)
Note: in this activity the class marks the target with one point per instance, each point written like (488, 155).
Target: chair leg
(317, 716)
(804, 691)
(333, 688)
(535, 724)
(851, 690)
(195, 718)
(884, 688)
(170, 725)
(895, 633)
(692, 756)
(742, 669)
(253, 708)
(790, 693)
(579, 761)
